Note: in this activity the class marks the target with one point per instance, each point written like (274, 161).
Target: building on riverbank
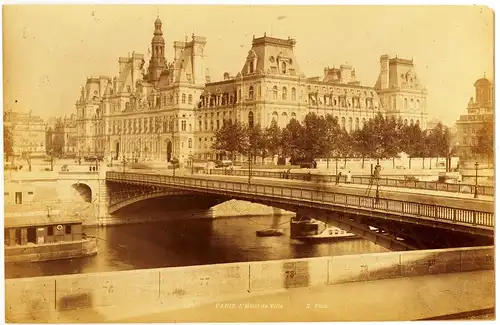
(480, 112)
(173, 108)
(61, 137)
(28, 133)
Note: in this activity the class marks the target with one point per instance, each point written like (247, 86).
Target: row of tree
(319, 136)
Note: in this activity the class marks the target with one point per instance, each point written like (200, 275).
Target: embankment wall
(36, 299)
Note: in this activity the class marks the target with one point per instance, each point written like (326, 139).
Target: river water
(187, 242)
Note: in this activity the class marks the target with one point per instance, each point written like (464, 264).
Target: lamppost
(191, 159)
(475, 188)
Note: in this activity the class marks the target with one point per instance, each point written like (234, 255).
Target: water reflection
(188, 242)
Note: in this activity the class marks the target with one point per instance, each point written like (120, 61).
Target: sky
(50, 50)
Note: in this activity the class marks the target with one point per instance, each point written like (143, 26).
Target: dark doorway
(18, 236)
(31, 236)
(169, 150)
(117, 150)
(19, 197)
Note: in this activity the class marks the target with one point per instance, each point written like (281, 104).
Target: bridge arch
(84, 190)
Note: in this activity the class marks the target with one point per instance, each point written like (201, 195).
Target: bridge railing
(315, 198)
(390, 182)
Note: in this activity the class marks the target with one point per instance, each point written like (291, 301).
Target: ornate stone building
(173, 109)
(61, 137)
(479, 111)
(28, 133)
(400, 91)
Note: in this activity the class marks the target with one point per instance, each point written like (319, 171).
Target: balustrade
(364, 180)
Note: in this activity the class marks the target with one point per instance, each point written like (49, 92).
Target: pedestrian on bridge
(348, 179)
(338, 178)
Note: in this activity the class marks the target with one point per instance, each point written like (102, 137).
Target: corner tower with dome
(480, 111)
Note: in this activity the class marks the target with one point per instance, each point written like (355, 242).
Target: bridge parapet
(467, 220)
(364, 180)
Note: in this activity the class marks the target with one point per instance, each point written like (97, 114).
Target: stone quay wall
(38, 298)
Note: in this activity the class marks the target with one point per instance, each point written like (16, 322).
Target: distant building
(172, 109)
(28, 133)
(62, 138)
(479, 111)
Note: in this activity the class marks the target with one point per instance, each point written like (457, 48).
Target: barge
(45, 238)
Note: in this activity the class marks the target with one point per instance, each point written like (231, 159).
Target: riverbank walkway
(399, 299)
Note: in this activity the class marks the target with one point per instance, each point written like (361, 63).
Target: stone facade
(172, 109)
(28, 133)
(62, 137)
(400, 91)
(479, 111)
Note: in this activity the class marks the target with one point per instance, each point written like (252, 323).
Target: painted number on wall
(289, 274)
(204, 281)
(233, 272)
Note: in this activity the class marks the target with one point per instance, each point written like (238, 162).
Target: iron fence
(364, 180)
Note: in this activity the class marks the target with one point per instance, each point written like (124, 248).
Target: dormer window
(283, 68)
(251, 66)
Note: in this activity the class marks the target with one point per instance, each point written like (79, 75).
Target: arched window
(190, 143)
(364, 123)
(350, 124)
(284, 93)
(284, 118)
(417, 105)
(418, 122)
(294, 116)
(283, 68)
(177, 98)
(275, 92)
(275, 116)
(406, 104)
(239, 95)
(251, 66)
(250, 92)
(294, 94)
(190, 99)
(184, 98)
(411, 122)
(343, 122)
(250, 119)
(357, 123)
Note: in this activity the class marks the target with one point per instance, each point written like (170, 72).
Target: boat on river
(312, 230)
(269, 233)
(45, 238)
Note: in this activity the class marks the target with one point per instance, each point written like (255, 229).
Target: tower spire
(157, 61)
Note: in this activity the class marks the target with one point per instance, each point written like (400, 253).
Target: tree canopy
(484, 144)
(319, 136)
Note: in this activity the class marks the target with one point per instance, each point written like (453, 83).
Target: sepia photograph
(248, 162)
